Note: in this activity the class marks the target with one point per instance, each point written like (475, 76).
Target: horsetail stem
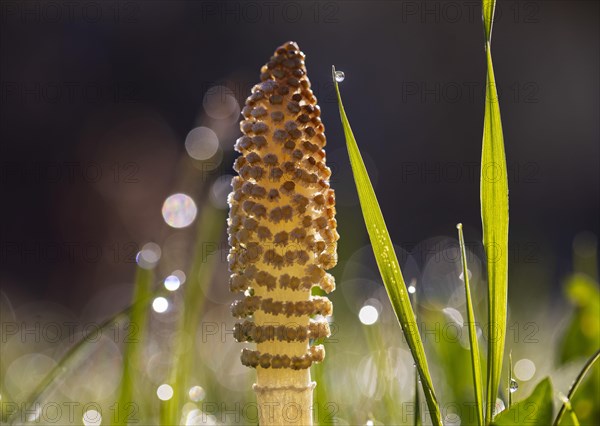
(282, 233)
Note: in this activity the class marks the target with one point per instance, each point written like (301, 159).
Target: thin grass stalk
(578, 380)
(473, 341)
(208, 236)
(509, 379)
(417, 416)
(138, 319)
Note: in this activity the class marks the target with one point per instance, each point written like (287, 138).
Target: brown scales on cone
(282, 227)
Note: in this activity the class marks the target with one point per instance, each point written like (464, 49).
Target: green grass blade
(474, 343)
(510, 378)
(209, 231)
(417, 416)
(489, 8)
(587, 367)
(494, 215)
(388, 263)
(131, 359)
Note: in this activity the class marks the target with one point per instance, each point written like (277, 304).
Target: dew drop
(513, 385)
(499, 407)
(339, 76)
(196, 393)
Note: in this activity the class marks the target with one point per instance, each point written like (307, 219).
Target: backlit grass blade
(131, 358)
(388, 263)
(587, 367)
(208, 237)
(474, 343)
(494, 216)
(489, 8)
(509, 380)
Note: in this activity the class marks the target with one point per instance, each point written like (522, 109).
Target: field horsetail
(282, 234)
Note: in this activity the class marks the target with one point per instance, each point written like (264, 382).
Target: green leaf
(536, 409)
(388, 262)
(475, 357)
(494, 215)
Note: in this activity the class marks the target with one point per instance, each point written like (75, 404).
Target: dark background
(115, 87)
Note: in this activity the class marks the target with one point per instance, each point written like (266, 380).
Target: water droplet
(500, 407)
(339, 76)
(197, 393)
(513, 385)
(462, 275)
(412, 289)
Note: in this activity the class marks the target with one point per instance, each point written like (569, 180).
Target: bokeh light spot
(368, 315)
(179, 210)
(172, 283)
(160, 305)
(220, 103)
(164, 392)
(148, 256)
(201, 143)
(524, 369)
(92, 418)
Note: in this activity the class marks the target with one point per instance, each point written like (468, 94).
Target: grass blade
(209, 232)
(475, 357)
(494, 217)
(587, 367)
(489, 8)
(510, 379)
(388, 262)
(131, 358)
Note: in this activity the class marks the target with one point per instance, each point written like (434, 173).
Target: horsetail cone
(282, 233)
